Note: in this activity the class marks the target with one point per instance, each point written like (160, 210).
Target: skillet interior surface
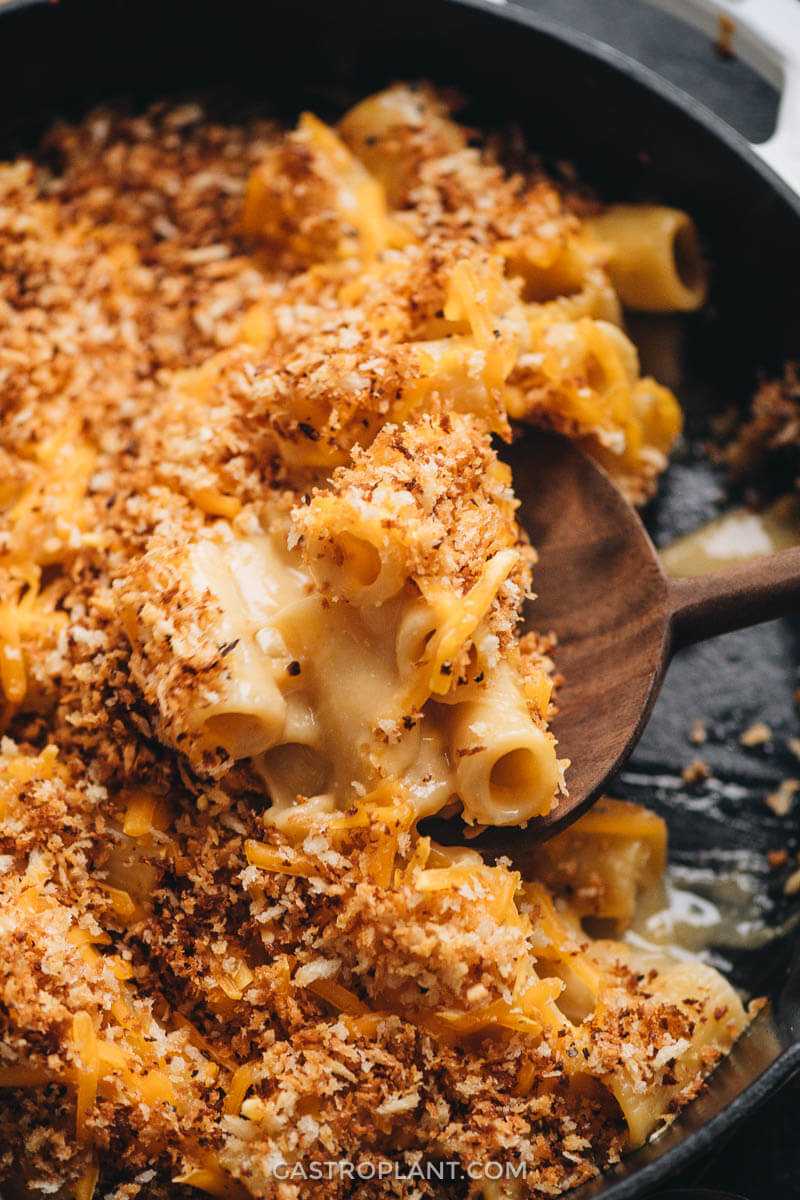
(633, 138)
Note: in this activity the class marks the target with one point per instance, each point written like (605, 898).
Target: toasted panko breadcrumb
(175, 626)
(212, 332)
(764, 450)
(436, 499)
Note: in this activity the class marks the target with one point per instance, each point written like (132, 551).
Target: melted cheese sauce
(700, 912)
(734, 537)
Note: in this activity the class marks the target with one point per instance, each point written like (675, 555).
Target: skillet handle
(766, 35)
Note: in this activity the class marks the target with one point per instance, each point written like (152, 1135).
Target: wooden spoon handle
(763, 589)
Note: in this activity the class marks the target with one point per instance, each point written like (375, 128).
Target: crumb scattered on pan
(777, 858)
(198, 1011)
(723, 46)
(696, 771)
(756, 735)
(765, 450)
(698, 733)
(781, 801)
(792, 885)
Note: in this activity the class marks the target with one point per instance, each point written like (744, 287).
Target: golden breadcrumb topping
(764, 450)
(211, 335)
(442, 501)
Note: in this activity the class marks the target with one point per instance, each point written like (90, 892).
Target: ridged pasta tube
(505, 766)
(656, 264)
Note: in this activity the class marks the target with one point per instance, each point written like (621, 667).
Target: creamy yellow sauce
(734, 537)
(701, 912)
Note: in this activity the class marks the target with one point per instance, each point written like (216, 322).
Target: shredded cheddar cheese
(261, 585)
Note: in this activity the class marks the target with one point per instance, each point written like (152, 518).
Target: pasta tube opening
(294, 769)
(351, 565)
(687, 257)
(520, 766)
(242, 734)
(514, 786)
(417, 627)
(362, 559)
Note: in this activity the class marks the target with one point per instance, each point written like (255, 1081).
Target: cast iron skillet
(634, 137)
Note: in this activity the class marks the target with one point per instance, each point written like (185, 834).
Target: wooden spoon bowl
(601, 589)
(618, 618)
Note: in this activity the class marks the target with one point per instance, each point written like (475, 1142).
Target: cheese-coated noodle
(506, 771)
(261, 590)
(655, 259)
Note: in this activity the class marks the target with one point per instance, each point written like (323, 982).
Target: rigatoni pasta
(506, 770)
(655, 261)
(221, 591)
(261, 587)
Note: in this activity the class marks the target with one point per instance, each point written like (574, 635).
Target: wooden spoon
(601, 588)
